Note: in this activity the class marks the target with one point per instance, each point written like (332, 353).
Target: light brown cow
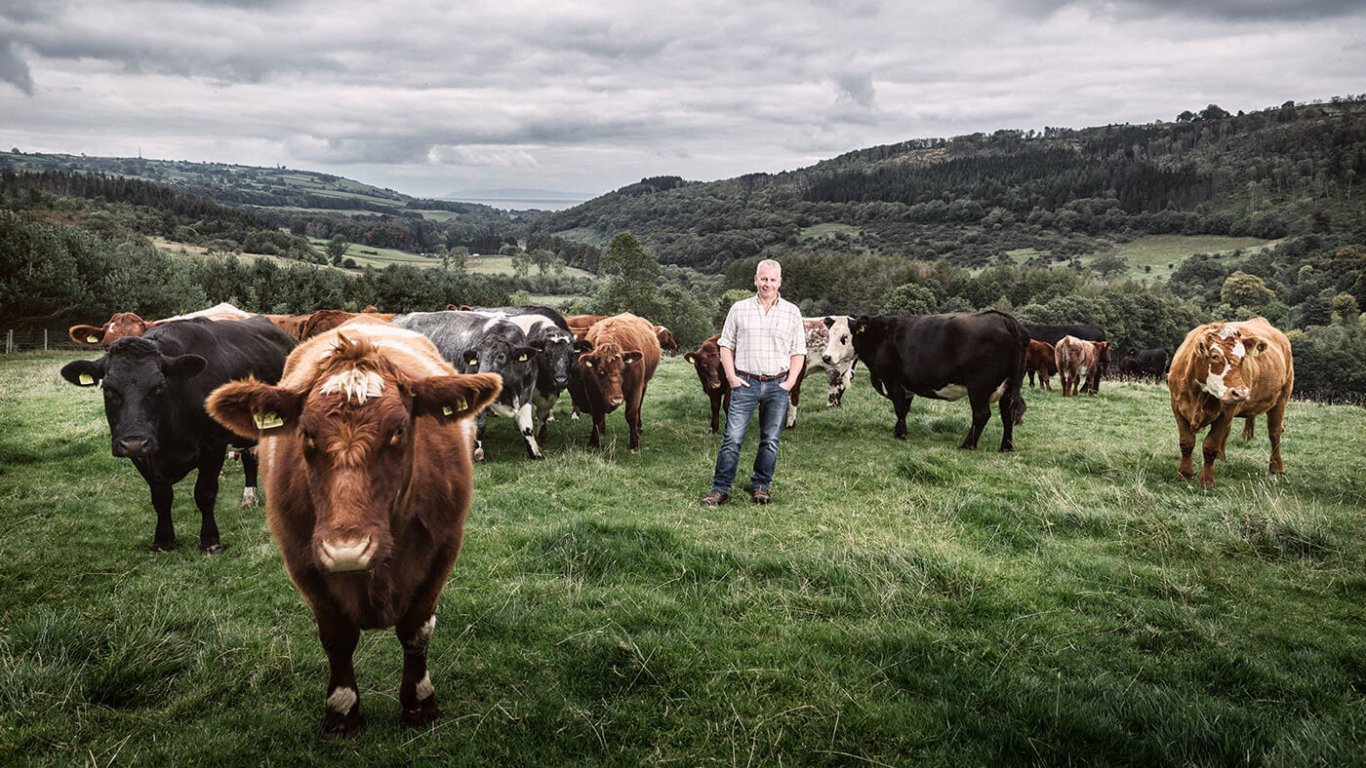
(307, 326)
(1077, 358)
(365, 449)
(123, 324)
(617, 370)
(579, 324)
(1040, 358)
(667, 343)
(1224, 371)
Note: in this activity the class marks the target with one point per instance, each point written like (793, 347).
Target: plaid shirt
(764, 342)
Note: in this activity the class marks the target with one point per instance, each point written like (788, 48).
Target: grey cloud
(13, 69)
(857, 88)
(1233, 10)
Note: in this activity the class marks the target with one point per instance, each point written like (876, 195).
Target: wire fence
(40, 340)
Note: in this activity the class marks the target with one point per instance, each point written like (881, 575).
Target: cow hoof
(212, 549)
(159, 547)
(249, 498)
(424, 713)
(337, 726)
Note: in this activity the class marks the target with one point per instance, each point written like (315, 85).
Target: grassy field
(898, 603)
(1160, 255)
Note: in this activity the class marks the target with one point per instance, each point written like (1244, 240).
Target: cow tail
(1015, 384)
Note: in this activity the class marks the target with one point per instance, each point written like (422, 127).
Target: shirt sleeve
(798, 338)
(728, 330)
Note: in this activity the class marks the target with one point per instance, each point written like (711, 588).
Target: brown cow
(707, 361)
(667, 342)
(617, 370)
(579, 324)
(1076, 358)
(1224, 371)
(365, 449)
(1040, 359)
(307, 326)
(123, 324)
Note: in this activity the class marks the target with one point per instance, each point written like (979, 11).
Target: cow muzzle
(615, 401)
(1237, 394)
(347, 555)
(134, 447)
(827, 360)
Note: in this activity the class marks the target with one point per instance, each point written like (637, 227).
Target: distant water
(520, 203)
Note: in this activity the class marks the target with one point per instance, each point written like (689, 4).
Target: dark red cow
(124, 324)
(707, 360)
(1039, 358)
(618, 369)
(365, 448)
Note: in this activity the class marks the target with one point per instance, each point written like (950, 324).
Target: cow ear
(252, 408)
(84, 373)
(585, 361)
(583, 345)
(829, 321)
(1254, 345)
(631, 358)
(526, 353)
(86, 335)
(455, 397)
(860, 325)
(471, 357)
(691, 357)
(183, 367)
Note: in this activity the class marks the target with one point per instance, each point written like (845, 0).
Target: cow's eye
(112, 395)
(397, 437)
(310, 444)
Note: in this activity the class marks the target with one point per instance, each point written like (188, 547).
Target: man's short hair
(768, 264)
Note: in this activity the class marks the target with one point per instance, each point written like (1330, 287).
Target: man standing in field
(763, 347)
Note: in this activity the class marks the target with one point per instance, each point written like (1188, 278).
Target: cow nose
(561, 381)
(614, 402)
(343, 555)
(133, 447)
(1238, 394)
(826, 359)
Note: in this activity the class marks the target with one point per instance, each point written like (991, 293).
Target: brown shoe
(761, 496)
(715, 499)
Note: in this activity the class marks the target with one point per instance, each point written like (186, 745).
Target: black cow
(945, 357)
(1145, 362)
(154, 391)
(475, 342)
(558, 362)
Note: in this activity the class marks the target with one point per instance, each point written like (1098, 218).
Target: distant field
(827, 231)
(1165, 252)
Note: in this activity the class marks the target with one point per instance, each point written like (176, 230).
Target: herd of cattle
(352, 411)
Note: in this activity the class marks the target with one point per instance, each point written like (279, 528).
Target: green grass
(900, 603)
(1156, 252)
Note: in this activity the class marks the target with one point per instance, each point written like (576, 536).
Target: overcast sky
(430, 96)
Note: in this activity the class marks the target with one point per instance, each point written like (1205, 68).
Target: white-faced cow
(1080, 364)
(480, 343)
(617, 370)
(706, 359)
(829, 347)
(154, 390)
(946, 357)
(1224, 371)
(365, 448)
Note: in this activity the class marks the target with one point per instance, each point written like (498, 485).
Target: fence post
(9, 341)
(44, 339)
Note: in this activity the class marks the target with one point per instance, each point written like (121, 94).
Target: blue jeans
(771, 402)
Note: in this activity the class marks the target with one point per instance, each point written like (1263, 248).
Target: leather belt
(757, 377)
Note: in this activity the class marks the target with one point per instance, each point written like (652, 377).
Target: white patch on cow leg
(424, 687)
(424, 632)
(342, 700)
(525, 423)
(249, 497)
(951, 391)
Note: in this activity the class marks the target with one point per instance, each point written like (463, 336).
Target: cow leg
(205, 497)
(599, 429)
(715, 398)
(981, 414)
(633, 407)
(1010, 416)
(835, 384)
(1213, 446)
(901, 403)
(1248, 427)
(339, 637)
(794, 399)
(479, 435)
(1046, 380)
(1275, 425)
(1186, 439)
(525, 426)
(1031, 376)
(415, 692)
(162, 495)
(250, 463)
(542, 415)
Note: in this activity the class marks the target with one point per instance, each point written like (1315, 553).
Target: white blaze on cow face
(355, 384)
(1221, 363)
(342, 700)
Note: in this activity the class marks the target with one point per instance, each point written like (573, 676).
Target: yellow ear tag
(461, 404)
(587, 364)
(92, 339)
(446, 410)
(521, 358)
(1255, 351)
(267, 420)
(86, 380)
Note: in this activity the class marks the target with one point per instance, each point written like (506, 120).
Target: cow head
(840, 346)
(139, 382)
(1102, 354)
(353, 427)
(707, 361)
(667, 343)
(559, 352)
(121, 325)
(1219, 366)
(605, 365)
(495, 354)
